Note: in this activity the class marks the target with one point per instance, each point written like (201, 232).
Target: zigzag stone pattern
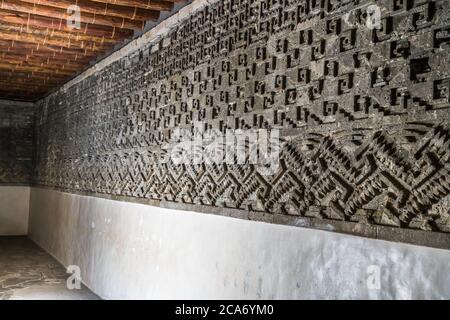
(363, 112)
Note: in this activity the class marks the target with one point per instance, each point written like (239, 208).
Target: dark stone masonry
(16, 142)
(363, 115)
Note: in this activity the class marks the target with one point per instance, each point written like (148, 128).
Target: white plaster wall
(14, 210)
(128, 250)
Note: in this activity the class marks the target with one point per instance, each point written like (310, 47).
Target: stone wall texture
(16, 142)
(363, 113)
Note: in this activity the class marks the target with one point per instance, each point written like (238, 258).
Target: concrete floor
(29, 273)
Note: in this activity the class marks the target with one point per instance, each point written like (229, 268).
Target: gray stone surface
(16, 142)
(363, 113)
(28, 273)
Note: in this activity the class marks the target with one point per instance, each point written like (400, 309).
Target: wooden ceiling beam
(46, 32)
(22, 81)
(17, 44)
(18, 83)
(40, 51)
(39, 62)
(48, 40)
(26, 19)
(44, 56)
(30, 86)
(8, 74)
(52, 12)
(11, 67)
(144, 4)
(96, 8)
(47, 52)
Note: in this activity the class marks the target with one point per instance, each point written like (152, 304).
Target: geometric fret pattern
(363, 112)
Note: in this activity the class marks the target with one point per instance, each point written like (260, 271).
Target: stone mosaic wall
(363, 112)
(16, 142)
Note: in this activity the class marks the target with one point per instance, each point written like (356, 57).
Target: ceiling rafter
(27, 75)
(32, 81)
(40, 50)
(19, 45)
(43, 57)
(52, 12)
(96, 8)
(30, 61)
(39, 57)
(24, 91)
(144, 4)
(26, 19)
(19, 84)
(45, 32)
(52, 40)
(8, 66)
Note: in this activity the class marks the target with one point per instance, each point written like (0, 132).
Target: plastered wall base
(128, 250)
(14, 210)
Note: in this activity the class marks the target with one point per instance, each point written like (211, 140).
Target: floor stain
(28, 273)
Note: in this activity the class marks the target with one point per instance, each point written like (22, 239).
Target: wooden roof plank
(46, 32)
(112, 10)
(20, 44)
(11, 67)
(51, 40)
(144, 4)
(61, 25)
(40, 51)
(44, 56)
(27, 75)
(39, 62)
(52, 12)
